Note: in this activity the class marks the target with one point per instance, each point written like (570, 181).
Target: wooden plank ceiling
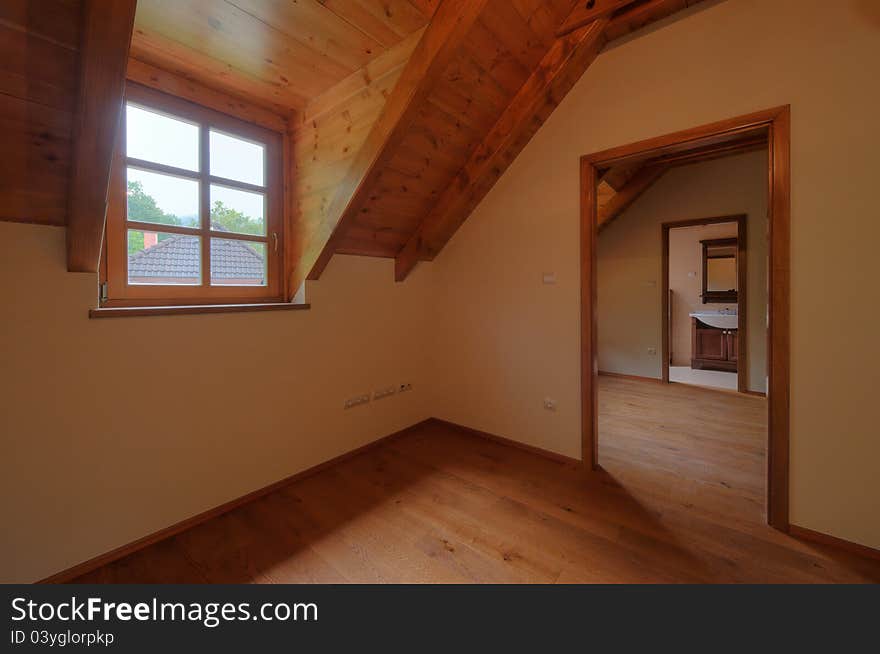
(39, 53)
(277, 53)
(436, 160)
(401, 114)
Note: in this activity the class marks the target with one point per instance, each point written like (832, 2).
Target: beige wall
(508, 341)
(113, 429)
(630, 267)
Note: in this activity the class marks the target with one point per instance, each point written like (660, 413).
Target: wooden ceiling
(277, 53)
(455, 120)
(400, 114)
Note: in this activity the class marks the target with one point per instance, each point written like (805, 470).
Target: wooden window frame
(114, 269)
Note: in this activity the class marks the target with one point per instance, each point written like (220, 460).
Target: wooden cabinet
(732, 344)
(713, 348)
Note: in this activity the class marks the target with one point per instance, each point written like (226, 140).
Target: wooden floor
(680, 499)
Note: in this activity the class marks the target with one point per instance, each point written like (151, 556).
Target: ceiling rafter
(106, 39)
(643, 13)
(436, 49)
(586, 12)
(561, 67)
(412, 217)
(640, 182)
(390, 158)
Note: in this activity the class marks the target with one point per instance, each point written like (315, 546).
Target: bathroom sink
(717, 319)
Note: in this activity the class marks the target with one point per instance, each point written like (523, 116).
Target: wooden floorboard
(679, 499)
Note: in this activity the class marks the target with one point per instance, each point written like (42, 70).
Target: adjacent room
(438, 291)
(682, 279)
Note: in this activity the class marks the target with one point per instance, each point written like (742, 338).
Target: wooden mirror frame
(718, 297)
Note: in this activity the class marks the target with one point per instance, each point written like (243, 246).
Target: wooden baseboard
(833, 541)
(103, 559)
(531, 449)
(120, 552)
(618, 375)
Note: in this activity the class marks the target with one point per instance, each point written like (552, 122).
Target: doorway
(770, 129)
(705, 339)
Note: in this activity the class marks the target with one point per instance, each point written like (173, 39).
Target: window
(195, 213)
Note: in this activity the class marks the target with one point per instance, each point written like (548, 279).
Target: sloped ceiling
(450, 126)
(401, 114)
(277, 53)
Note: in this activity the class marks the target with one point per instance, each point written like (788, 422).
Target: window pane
(163, 258)
(237, 263)
(162, 199)
(237, 159)
(237, 211)
(154, 137)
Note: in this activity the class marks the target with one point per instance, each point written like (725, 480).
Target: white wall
(508, 341)
(630, 264)
(113, 429)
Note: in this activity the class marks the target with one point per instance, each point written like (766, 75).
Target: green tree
(235, 221)
(142, 207)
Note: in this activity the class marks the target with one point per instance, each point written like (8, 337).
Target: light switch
(550, 278)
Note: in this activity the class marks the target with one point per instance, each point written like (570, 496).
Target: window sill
(132, 312)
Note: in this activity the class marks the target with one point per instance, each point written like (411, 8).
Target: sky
(159, 138)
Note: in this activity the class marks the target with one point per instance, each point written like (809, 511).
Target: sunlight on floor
(712, 378)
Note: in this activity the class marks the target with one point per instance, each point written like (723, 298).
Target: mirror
(719, 270)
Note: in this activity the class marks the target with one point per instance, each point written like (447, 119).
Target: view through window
(198, 219)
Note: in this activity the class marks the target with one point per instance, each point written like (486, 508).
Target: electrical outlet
(385, 392)
(357, 400)
(550, 404)
(404, 387)
(652, 351)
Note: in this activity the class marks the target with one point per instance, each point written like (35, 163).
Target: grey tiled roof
(178, 257)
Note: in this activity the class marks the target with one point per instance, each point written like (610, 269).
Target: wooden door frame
(777, 122)
(742, 231)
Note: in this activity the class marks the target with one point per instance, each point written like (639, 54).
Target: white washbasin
(717, 319)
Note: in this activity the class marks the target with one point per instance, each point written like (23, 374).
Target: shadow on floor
(441, 505)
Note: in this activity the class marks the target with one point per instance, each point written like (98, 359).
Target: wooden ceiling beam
(618, 176)
(559, 70)
(586, 11)
(106, 39)
(433, 54)
(427, 7)
(640, 182)
(644, 13)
